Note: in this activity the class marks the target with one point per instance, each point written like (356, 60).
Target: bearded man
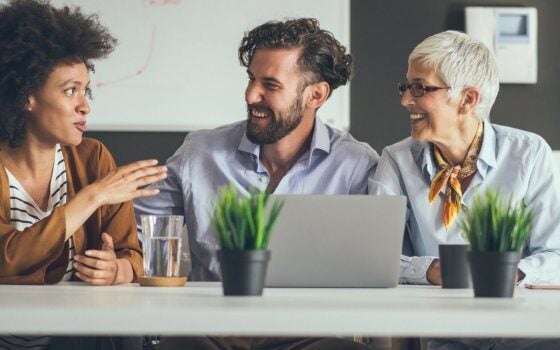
(283, 147)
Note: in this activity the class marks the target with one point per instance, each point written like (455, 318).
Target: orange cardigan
(39, 254)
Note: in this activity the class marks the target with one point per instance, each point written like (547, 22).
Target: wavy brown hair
(322, 58)
(35, 37)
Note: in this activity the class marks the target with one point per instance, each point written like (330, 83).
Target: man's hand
(433, 275)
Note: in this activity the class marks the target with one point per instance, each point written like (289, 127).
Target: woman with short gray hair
(461, 62)
(454, 151)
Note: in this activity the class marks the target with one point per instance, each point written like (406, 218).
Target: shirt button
(262, 179)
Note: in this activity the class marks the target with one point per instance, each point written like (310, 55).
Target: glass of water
(162, 245)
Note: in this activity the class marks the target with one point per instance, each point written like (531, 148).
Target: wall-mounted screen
(513, 27)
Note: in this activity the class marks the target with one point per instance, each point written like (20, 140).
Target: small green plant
(494, 226)
(240, 222)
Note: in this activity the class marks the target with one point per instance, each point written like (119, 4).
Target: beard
(279, 126)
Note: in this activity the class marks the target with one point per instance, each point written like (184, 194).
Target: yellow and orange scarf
(453, 176)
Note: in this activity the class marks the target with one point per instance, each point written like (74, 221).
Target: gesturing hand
(119, 185)
(98, 267)
(122, 184)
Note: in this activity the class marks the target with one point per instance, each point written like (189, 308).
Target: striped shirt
(24, 212)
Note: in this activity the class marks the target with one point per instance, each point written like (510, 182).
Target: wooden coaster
(162, 281)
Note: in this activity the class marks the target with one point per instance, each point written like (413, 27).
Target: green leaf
(239, 222)
(492, 225)
(260, 221)
(274, 212)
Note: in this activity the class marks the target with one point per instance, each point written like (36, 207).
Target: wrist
(93, 195)
(117, 279)
(124, 273)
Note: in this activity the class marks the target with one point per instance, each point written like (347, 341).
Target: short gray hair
(461, 62)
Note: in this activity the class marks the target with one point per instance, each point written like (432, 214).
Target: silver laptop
(337, 241)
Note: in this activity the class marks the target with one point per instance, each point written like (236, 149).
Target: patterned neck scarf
(453, 176)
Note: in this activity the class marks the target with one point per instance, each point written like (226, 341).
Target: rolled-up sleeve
(26, 255)
(541, 263)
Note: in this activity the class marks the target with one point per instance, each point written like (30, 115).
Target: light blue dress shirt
(335, 164)
(515, 162)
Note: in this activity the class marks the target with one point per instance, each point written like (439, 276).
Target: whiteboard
(176, 68)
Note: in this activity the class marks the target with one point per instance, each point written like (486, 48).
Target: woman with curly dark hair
(65, 209)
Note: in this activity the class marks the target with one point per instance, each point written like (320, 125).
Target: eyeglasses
(417, 89)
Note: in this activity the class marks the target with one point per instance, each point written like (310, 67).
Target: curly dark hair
(35, 37)
(322, 58)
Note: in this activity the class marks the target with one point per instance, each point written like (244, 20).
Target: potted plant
(496, 232)
(243, 229)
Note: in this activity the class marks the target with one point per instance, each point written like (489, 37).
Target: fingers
(93, 276)
(91, 273)
(145, 193)
(93, 281)
(107, 242)
(144, 176)
(98, 268)
(122, 184)
(97, 259)
(148, 172)
(125, 169)
(146, 180)
(140, 169)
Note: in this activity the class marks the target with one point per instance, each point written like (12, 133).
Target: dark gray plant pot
(493, 273)
(243, 271)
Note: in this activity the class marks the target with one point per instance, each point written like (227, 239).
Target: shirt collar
(487, 156)
(422, 154)
(321, 138)
(319, 141)
(247, 146)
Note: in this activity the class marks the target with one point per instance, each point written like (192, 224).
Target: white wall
(176, 66)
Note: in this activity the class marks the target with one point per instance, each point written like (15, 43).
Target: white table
(200, 309)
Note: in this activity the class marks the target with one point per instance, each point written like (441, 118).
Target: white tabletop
(200, 309)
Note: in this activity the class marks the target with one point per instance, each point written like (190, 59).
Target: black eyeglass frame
(423, 89)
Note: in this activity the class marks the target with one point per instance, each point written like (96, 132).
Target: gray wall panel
(384, 33)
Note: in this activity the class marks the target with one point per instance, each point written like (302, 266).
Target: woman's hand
(433, 274)
(101, 267)
(122, 184)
